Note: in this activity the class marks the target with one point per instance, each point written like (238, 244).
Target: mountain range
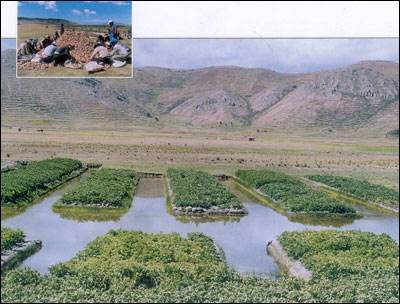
(361, 98)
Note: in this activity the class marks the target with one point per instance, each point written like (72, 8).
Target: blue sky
(83, 12)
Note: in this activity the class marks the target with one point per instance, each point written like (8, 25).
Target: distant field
(156, 151)
(26, 31)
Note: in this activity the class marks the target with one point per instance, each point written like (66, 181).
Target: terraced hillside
(362, 97)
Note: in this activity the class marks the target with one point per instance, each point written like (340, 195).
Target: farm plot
(352, 258)
(199, 192)
(291, 195)
(109, 188)
(361, 189)
(132, 266)
(19, 187)
(15, 248)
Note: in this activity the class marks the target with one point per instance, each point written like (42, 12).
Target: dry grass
(155, 152)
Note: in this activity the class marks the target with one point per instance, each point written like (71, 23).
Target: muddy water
(243, 239)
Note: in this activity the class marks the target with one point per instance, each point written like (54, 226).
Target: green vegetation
(10, 237)
(360, 189)
(349, 257)
(131, 266)
(291, 194)
(200, 189)
(20, 186)
(105, 188)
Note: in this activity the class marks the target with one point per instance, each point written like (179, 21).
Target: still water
(243, 239)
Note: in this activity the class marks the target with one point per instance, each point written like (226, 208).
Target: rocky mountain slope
(363, 96)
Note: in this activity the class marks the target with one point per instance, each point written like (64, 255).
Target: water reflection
(243, 241)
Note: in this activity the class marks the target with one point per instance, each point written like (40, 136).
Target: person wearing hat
(49, 52)
(36, 44)
(103, 54)
(112, 28)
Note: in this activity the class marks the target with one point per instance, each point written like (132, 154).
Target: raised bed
(20, 187)
(196, 192)
(103, 189)
(358, 191)
(290, 196)
(15, 248)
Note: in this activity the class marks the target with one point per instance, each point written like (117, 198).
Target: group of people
(108, 47)
(31, 46)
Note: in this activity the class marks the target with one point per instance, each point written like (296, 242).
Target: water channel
(243, 238)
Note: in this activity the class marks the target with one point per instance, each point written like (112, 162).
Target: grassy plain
(376, 160)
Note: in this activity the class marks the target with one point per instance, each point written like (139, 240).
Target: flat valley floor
(376, 160)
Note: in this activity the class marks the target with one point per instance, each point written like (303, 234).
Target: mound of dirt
(83, 45)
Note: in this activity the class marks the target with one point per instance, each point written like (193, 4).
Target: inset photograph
(74, 39)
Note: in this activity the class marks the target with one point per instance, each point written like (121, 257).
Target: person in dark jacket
(62, 54)
(62, 29)
(56, 36)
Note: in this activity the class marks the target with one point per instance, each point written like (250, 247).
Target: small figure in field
(103, 54)
(62, 29)
(56, 36)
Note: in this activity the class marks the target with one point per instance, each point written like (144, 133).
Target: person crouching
(49, 52)
(62, 54)
(103, 54)
(119, 52)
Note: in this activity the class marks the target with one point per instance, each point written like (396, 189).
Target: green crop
(200, 189)
(291, 193)
(106, 187)
(361, 189)
(10, 237)
(21, 184)
(132, 266)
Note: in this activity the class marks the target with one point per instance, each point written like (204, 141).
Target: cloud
(113, 2)
(283, 55)
(77, 12)
(49, 5)
(89, 12)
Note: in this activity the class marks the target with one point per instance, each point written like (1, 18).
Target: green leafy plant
(360, 189)
(21, 184)
(106, 187)
(10, 237)
(291, 193)
(200, 189)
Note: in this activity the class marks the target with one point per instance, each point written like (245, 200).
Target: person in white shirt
(103, 54)
(119, 52)
(49, 52)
